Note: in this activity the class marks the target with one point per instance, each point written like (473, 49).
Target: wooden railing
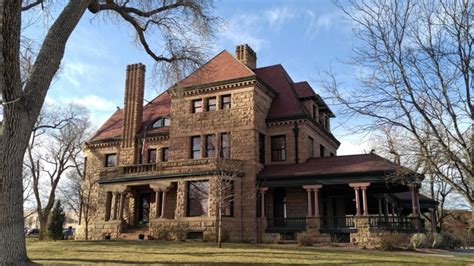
(395, 223)
(334, 222)
(286, 223)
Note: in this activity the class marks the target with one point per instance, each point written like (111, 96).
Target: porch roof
(338, 169)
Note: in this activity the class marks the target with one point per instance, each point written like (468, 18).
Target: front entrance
(144, 208)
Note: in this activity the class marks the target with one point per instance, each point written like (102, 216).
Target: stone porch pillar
(434, 222)
(114, 205)
(157, 203)
(163, 204)
(121, 202)
(309, 212)
(364, 201)
(414, 206)
(357, 202)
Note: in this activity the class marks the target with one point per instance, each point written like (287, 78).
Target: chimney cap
(136, 66)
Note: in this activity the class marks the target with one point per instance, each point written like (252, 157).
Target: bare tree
(417, 76)
(171, 32)
(52, 151)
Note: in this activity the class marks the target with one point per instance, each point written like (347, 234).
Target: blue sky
(304, 36)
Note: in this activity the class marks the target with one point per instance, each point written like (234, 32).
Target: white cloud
(244, 29)
(320, 22)
(278, 16)
(93, 102)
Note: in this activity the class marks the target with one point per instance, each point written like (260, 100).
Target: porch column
(309, 212)
(114, 205)
(387, 210)
(157, 203)
(316, 200)
(356, 189)
(414, 202)
(122, 199)
(364, 201)
(163, 204)
(262, 194)
(379, 199)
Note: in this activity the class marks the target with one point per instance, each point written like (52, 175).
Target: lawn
(151, 252)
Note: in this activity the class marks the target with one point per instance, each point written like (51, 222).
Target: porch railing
(286, 223)
(395, 223)
(333, 222)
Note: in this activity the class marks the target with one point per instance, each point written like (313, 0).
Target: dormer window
(161, 122)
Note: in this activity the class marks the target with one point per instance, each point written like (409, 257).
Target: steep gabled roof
(223, 66)
(303, 89)
(286, 104)
(112, 128)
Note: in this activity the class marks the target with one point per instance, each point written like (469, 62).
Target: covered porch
(341, 202)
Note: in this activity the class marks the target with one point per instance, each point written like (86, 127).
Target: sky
(306, 37)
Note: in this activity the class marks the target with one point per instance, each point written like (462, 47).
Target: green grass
(154, 252)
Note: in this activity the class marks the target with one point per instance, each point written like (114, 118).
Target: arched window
(161, 122)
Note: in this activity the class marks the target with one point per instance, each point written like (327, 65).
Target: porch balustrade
(286, 223)
(396, 223)
(335, 222)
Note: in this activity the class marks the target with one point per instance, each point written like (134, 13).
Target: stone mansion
(154, 166)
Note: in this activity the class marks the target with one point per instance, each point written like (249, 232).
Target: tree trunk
(43, 235)
(86, 221)
(219, 228)
(21, 109)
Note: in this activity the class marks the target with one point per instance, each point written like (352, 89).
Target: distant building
(155, 164)
(32, 221)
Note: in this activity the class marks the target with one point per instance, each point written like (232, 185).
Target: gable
(223, 66)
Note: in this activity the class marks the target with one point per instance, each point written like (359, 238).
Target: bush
(421, 240)
(305, 239)
(394, 241)
(444, 240)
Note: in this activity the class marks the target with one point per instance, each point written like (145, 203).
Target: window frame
(208, 107)
(230, 204)
(162, 122)
(226, 105)
(189, 199)
(194, 108)
(109, 155)
(221, 145)
(197, 151)
(148, 159)
(322, 150)
(281, 151)
(206, 146)
(163, 154)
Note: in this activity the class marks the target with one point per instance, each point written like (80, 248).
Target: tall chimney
(133, 111)
(246, 55)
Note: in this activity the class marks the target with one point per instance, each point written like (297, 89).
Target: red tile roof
(303, 89)
(112, 128)
(336, 165)
(223, 66)
(286, 103)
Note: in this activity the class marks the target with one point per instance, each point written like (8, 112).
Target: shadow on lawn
(344, 262)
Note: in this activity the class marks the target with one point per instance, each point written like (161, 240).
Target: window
(197, 106)
(278, 144)
(310, 147)
(197, 200)
(225, 145)
(210, 146)
(161, 122)
(225, 102)
(110, 160)
(196, 147)
(326, 123)
(261, 148)
(152, 156)
(321, 150)
(164, 154)
(211, 104)
(228, 204)
(315, 112)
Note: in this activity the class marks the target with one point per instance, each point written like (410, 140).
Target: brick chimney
(133, 111)
(246, 55)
